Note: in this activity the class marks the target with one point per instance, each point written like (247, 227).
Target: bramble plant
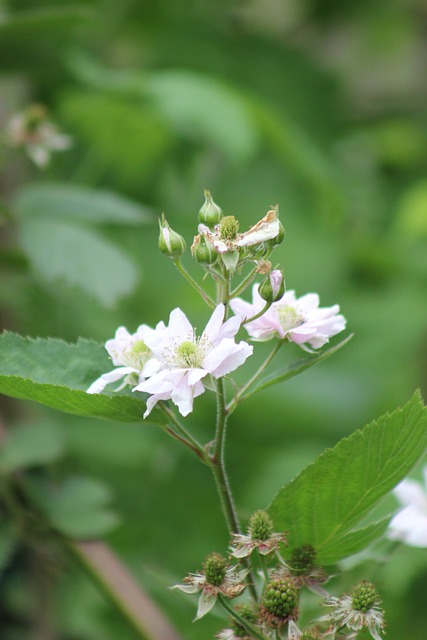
(322, 516)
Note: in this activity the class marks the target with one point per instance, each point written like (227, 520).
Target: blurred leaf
(44, 20)
(411, 217)
(57, 374)
(7, 544)
(127, 137)
(200, 107)
(78, 508)
(56, 200)
(60, 251)
(326, 505)
(295, 368)
(27, 446)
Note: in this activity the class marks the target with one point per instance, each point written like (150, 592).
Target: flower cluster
(171, 362)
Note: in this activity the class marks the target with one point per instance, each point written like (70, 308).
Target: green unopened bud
(364, 597)
(246, 612)
(228, 228)
(210, 213)
(215, 567)
(280, 597)
(260, 525)
(272, 287)
(280, 236)
(303, 560)
(171, 244)
(203, 251)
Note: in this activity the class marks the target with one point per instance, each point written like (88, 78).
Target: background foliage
(318, 106)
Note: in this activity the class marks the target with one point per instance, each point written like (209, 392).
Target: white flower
(410, 524)
(357, 611)
(300, 320)
(36, 134)
(186, 359)
(228, 581)
(131, 356)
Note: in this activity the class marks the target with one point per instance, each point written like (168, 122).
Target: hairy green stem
(183, 435)
(250, 628)
(178, 264)
(245, 283)
(259, 314)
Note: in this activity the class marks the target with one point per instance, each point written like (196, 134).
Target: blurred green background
(317, 106)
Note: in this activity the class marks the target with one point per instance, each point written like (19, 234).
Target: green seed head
(260, 525)
(228, 228)
(364, 597)
(280, 597)
(215, 567)
(303, 560)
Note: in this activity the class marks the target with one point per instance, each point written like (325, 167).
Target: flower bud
(210, 213)
(170, 242)
(273, 286)
(280, 235)
(260, 525)
(303, 560)
(364, 597)
(215, 567)
(279, 602)
(203, 251)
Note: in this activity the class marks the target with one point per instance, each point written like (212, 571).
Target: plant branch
(183, 271)
(255, 633)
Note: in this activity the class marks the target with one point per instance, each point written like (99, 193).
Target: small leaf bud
(260, 525)
(171, 243)
(273, 286)
(303, 560)
(203, 251)
(364, 597)
(215, 567)
(279, 602)
(210, 213)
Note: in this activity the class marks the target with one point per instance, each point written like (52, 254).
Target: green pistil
(280, 597)
(189, 354)
(228, 228)
(260, 526)
(289, 317)
(215, 567)
(140, 352)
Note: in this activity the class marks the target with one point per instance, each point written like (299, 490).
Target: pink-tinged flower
(134, 361)
(217, 578)
(357, 611)
(299, 320)
(260, 536)
(186, 359)
(410, 524)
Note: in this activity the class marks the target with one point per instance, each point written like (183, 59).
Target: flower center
(228, 228)
(138, 354)
(189, 354)
(289, 317)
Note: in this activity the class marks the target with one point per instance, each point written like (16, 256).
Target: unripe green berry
(246, 612)
(260, 525)
(280, 597)
(215, 567)
(364, 597)
(228, 228)
(303, 559)
(210, 213)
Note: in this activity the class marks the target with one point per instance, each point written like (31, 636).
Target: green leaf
(43, 21)
(8, 544)
(295, 368)
(78, 508)
(60, 251)
(57, 375)
(55, 200)
(30, 445)
(326, 505)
